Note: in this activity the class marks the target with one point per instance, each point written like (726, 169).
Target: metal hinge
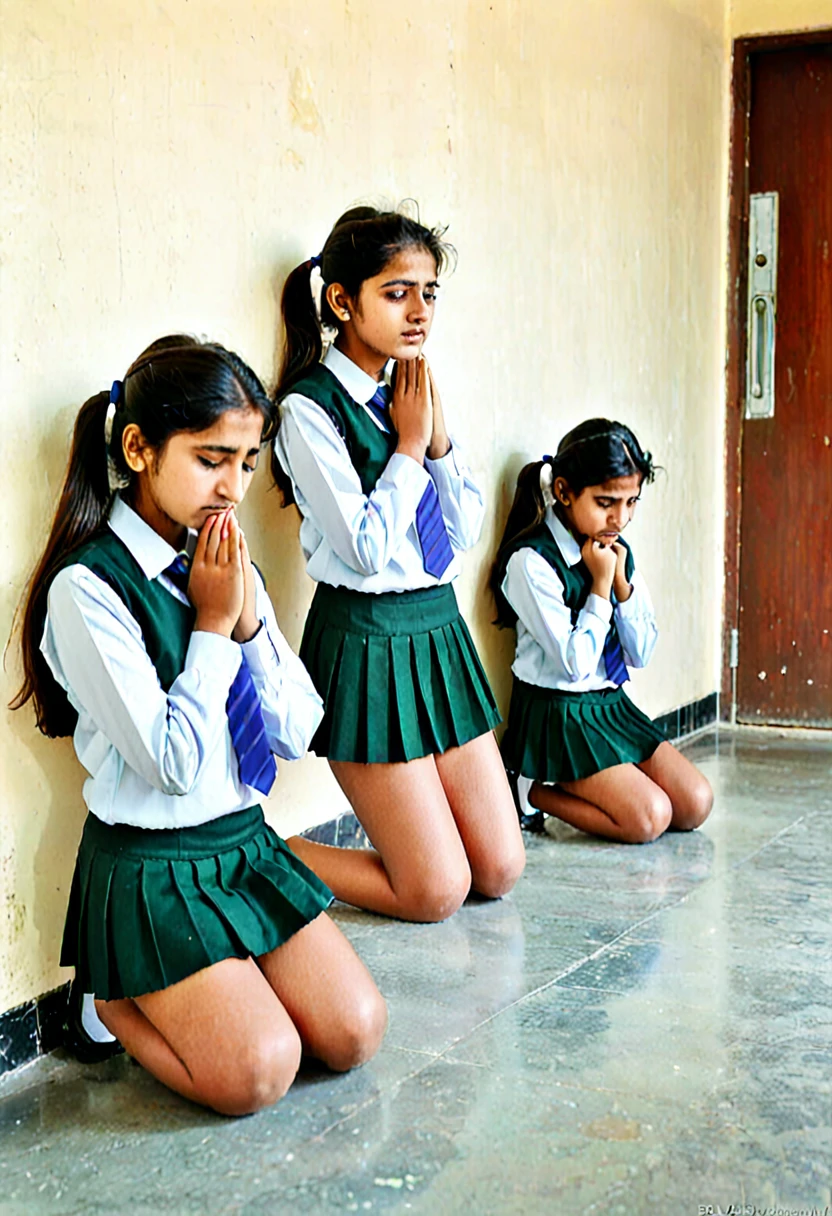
(734, 649)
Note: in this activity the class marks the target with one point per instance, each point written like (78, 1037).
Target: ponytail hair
(176, 384)
(362, 242)
(595, 452)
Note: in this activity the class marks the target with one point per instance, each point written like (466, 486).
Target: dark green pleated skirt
(149, 908)
(399, 675)
(565, 736)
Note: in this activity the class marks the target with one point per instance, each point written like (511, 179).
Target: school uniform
(569, 716)
(384, 641)
(177, 868)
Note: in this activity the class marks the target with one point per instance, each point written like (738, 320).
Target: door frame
(738, 161)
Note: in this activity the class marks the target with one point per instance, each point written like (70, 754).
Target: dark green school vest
(165, 622)
(369, 447)
(576, 580)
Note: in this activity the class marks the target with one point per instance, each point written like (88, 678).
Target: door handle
(762, 342)
(762, 304)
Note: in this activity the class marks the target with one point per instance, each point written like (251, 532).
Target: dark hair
(596, 451)
(362, 242)
(176, 384)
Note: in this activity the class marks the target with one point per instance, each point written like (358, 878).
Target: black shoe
(531, 819)
(76, 1040)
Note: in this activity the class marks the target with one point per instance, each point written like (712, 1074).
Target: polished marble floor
(634, 1030)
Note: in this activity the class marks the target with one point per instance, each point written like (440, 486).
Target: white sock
(92, 1023)
(524, 787)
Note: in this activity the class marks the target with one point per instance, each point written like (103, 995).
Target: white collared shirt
(551, 651)
(161, 759)
(368, 542)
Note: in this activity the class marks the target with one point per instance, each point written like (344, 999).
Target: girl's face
(195, 473)
(392, 316)
(601, 512)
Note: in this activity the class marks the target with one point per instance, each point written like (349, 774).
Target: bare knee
(436, 897)
(650, 819)
(499, 875)
(696, 807)
(358, 1035)
(258, 1075)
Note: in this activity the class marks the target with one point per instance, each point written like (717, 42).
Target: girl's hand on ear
(248, 624)
(622, 587)
(216, 585)
(410, 410)
(600, 560)
(440, 444)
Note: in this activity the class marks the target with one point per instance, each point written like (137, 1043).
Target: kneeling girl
(576, 746)
(387, 508)
(149, 635)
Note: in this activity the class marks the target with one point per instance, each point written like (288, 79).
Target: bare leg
(329, 994)
(220, 1037)
(418, 869)
(621, 803)
(477, 790)
(689, 792)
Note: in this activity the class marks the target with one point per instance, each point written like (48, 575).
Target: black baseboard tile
(32, 1029)
(51, 1013)
(689, 718)
(345, 831)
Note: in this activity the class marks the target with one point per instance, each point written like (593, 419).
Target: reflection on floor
(635, 1029)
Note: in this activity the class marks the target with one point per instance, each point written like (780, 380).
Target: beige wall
(746, 17)
(166, 164)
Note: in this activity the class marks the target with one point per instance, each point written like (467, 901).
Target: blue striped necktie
(256, 763)
(437, 553)
(614, 657)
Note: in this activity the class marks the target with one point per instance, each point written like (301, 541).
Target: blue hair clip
(546, 459)
(317, 260)
(116, 392)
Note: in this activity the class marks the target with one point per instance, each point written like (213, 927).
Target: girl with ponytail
(576, 747)
(388, 507)
(199, 940)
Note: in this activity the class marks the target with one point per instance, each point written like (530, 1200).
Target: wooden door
(785, 558)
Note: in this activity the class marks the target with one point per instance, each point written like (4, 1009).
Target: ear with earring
(335, 296)
(562, 492)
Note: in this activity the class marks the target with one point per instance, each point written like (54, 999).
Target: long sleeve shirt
(368, 542)
(161, 759)
(551, 651)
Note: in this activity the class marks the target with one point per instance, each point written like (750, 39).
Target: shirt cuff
(445, 466)
(214, 657)
(260, 651)
(407, 475)
(598, 606)
(629, 608)
(635, 605)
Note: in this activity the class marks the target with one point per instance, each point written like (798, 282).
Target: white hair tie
(115, 479)
(547, 477)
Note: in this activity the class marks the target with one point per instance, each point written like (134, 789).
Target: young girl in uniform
(387, 507)
(576, 747)
(149, 634)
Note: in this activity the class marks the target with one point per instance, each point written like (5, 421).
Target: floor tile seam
(768, 843)
(412, 1051)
